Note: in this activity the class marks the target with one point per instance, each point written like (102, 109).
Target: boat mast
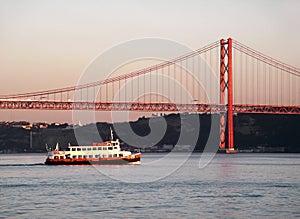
(57, 147)
(111, 135)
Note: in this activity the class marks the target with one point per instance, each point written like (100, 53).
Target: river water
(230, 186)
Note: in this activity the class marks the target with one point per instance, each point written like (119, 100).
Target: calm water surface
(231, 186)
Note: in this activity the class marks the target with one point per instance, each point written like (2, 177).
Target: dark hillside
(253, 133)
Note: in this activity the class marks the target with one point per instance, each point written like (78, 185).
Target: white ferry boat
(106, 153)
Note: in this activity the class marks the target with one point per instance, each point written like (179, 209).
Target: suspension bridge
(224, 77)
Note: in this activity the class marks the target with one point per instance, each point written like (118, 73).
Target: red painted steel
(136, 106)
(230, 95)
(222, 92)
(226, 67)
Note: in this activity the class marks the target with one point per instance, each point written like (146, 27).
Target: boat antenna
(111, 135)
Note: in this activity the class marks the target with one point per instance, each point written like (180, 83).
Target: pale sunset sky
(47, 44)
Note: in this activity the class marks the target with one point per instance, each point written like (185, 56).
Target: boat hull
(132, 159)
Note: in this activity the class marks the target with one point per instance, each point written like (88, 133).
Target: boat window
(100, 148)
(73, 149)
(55, 157)
(97, 156)
(78, 149)
(110, 148)
(94, 148)
(115, 155)
(115, 147)
(110, 155)
(90, 156)
(120, 155)
(83, 149)
(79, 156)
(61, 157)
(104, 148)
(68, 149)
(84, 156)
(89, 149)
(74, 156)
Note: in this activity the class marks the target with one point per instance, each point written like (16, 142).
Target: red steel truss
(155, 107)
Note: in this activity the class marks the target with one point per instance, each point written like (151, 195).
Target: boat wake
(22, 165)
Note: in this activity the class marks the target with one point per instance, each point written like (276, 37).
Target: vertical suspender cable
(180, 83)
(277, 86)
(176, 81)
(94, 94)
(168, 92)
(138, 88)
(186, 73)
(264, 83)
(162, 85)
(211, 91)
(246, 78)
(235, 76)
(242, 74)
(271, 85)
(118, 91)
(257, 81)
(193, 77)
(203, 95)
(156, 85)
(87, 94)
(144, 86)
(282, 90)
(150, 88)
(132, 88)
(125, 92)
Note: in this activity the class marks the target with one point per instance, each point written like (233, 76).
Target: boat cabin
(109, 149)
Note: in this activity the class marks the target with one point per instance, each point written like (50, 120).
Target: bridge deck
(135, 106)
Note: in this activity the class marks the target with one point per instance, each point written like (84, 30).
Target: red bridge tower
(226, 83)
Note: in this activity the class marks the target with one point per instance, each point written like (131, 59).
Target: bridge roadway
(141, 106)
